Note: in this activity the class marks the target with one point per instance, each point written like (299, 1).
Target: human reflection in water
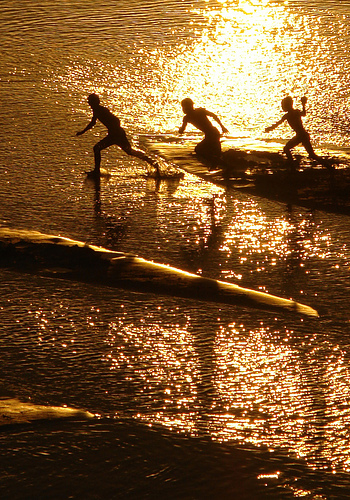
(170, 183)
(293, 117)
(201, 254)
(116, 135)
(300, 231)
(210, 147)
(204, 347)
(111, 229)
(97, 200)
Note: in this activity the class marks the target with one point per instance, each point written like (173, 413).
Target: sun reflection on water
(269, 386)
(263, 388)
(158, 359)
(234, 59)
(242, 59)
(252, 232)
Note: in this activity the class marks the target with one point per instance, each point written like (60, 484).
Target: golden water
(237, 377)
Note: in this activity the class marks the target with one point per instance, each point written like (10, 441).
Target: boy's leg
(308, 146)
(201, 148)
(142, 155)
(310, 150)
(103, 144)
(125, 145)
(290, 145)
(209, 147)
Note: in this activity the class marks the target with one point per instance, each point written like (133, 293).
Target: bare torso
(109, 120)
(293, 117)
(198, 117)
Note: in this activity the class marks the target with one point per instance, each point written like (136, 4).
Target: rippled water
(196, 400)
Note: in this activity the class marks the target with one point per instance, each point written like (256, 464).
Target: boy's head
(287, 103)
(187, 105)
(93, 100)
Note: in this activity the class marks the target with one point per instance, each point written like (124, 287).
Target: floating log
(258, 168)
(13, 411)
(58, 257)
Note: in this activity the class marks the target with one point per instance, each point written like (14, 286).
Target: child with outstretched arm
(198, 117)
(294, 119)
(116, 135)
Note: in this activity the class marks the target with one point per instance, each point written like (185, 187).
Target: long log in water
(58, 257)
(13, 411)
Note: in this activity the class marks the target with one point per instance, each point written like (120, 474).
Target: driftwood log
(58, 257)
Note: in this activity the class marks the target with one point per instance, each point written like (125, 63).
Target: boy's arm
(303, 102)
(183, 126)
(217, 119)
(88, 126)
(275, 125)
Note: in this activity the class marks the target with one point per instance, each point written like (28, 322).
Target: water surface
(195, 400)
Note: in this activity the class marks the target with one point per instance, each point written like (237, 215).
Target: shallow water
(194, 400)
